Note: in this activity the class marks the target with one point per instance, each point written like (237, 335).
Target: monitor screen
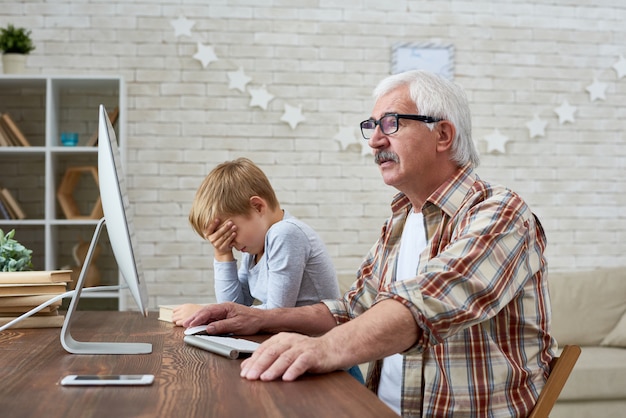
(116, 207)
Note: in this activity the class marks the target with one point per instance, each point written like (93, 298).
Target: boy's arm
(286, 254)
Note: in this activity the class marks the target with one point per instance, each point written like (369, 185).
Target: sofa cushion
(586, 305)
(599, 373)
(617, 336)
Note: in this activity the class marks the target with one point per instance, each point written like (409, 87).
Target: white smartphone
(102, 380)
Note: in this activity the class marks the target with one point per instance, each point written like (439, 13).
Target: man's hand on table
(288, 355)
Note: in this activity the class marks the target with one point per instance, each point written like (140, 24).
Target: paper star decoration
(620, 67)
(345, 137)
(565, 112)
(260, 97)
(238, 80)
(365, 149)
(596, 90)
(293, 115)
(182, 26)
(205, 54)
(536, 127)
(496, 142)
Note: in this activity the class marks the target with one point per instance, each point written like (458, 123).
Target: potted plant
(13, 255)
(15, 44)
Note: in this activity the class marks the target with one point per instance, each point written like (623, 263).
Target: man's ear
(447, 132)
(258, 204)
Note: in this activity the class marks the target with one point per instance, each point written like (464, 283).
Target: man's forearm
(310, 320)
(386, 328)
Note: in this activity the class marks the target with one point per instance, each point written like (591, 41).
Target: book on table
(35, 277)
(166, 312)
(35, 321)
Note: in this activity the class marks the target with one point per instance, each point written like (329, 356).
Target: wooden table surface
(189, 382)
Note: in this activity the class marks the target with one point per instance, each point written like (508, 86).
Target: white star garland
(565, 112)
(496, 142)
(205, 54)
(260, 97)
(620, 67)
(536, 127)
(293, 116)
(596, 90)
(345, 137)
(182, 26)
(238, 80)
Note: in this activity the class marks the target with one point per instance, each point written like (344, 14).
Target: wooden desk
(189, 382)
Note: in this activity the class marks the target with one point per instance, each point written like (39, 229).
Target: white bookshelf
(43, 107)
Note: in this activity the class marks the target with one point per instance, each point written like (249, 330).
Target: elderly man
(451, 304)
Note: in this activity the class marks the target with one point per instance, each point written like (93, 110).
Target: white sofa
(589, 310)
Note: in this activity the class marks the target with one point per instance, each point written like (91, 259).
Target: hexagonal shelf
(65, 193)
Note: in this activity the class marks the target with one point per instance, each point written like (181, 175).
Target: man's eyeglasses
(389, 123)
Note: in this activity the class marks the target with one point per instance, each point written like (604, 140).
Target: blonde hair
(226, 191)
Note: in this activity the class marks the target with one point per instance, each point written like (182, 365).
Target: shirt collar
(449, 195)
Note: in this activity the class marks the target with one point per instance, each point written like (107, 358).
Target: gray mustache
(382, 156)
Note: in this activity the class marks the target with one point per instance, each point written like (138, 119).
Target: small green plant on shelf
(15, 40)
(13, 255)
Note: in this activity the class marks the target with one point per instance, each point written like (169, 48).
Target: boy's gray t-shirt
(295, 270)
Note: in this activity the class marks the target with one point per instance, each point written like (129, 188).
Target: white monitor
(118, 219)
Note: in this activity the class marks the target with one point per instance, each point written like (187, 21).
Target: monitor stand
(80, 347)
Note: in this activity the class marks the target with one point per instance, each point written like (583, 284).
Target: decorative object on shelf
(13, 255)
(15, 44)
(69, 139)
(65, 193)
(93, 274)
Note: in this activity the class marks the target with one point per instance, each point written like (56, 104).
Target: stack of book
(21, 291)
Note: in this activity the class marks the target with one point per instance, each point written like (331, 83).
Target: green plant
(15, 40)
(13, 255)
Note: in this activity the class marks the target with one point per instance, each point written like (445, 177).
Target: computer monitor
(118, 220)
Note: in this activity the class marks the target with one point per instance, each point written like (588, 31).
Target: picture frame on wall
(423, 56)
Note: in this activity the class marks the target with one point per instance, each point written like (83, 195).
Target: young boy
(284, 262)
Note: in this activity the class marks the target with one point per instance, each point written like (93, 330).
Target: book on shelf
(4, 212)
(11, 204)
(113, 116)
(35, 321)
(5, 140)
(14, 132)
(35, 277)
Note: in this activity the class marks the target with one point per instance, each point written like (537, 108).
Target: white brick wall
(515, 60)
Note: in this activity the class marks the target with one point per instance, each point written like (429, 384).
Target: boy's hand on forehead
(221, 236)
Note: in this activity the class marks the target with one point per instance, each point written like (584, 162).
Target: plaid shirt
(480, 299)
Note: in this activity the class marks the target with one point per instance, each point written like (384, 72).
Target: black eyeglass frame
(421, 118)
